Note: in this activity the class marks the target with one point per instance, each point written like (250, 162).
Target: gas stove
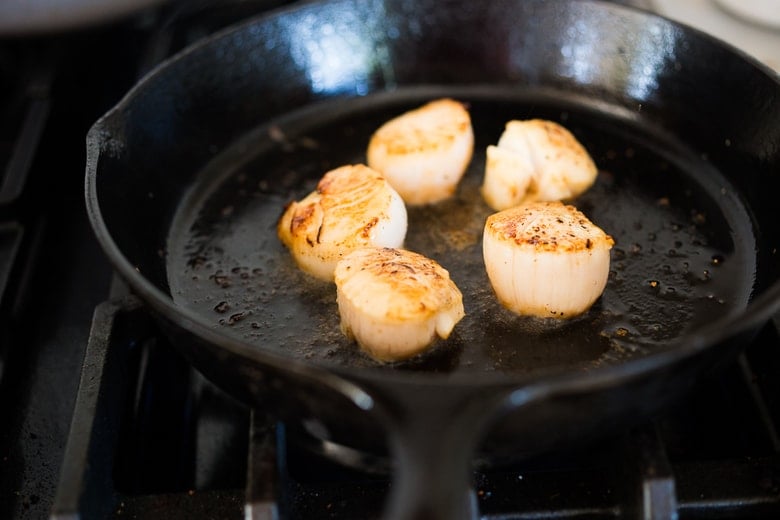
(103, 419)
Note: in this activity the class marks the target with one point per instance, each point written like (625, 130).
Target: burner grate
(684, 464)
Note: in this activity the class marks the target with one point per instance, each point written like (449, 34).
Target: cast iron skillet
(187, 176)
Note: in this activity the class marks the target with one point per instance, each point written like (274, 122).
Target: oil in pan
(684, 252)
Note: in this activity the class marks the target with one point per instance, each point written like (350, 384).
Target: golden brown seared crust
(329, 213)
(536, 160)
(347, 178)
(424, 152)
(563, 141)
(548, 226)
(410, 286)
(353, 206)
(400, 140)
(305, 220)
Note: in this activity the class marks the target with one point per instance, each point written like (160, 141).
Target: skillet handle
(433, 443)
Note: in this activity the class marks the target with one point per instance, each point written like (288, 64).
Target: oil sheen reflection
(632, 62)
(338, 53)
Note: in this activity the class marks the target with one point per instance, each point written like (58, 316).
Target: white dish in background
(762, 12)
(760, 41)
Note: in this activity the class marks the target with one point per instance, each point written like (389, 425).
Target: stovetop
(102, 418)
(155, 439)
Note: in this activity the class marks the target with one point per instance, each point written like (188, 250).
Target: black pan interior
(684, 254)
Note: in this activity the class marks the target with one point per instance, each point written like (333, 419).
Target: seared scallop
(536, 160)
(395, 303)
(546, 259)
(352, 207)
(424, 152)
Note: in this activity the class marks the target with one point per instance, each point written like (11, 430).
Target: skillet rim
(757, 312)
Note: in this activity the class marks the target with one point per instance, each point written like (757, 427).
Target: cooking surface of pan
(684, 253)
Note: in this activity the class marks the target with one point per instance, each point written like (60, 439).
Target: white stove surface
(760, 41)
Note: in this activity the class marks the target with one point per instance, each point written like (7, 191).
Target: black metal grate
(195, 453)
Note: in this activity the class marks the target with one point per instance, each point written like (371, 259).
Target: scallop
(424, 152)
(353, 206)
(395, 303)
(536, 160)
(546, 259)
